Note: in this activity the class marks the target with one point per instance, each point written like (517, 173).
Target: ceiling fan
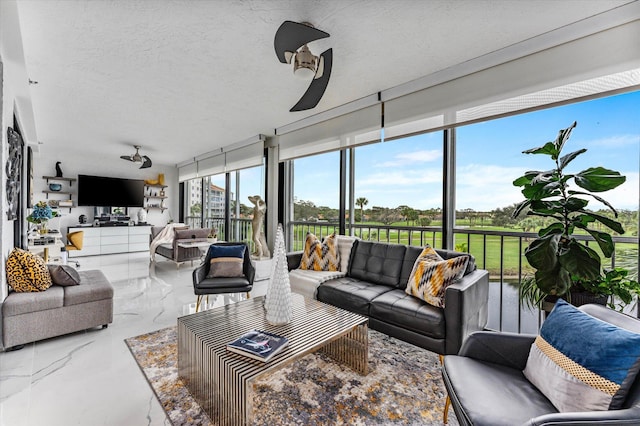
(291, 45)
(138, 159)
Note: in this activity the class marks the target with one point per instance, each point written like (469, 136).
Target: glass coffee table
(221, 381)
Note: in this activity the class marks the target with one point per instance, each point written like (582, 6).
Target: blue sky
(489, 158)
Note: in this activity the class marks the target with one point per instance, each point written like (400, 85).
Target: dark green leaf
(554, 228)
(541, 253)
(549, 148)
(574, 204)
(608, 222)
(602, 200)
(566, 159)
(544, 177)
(604, 240)
(539, 191)
(526, 178)
(546, 207)
(519, 208)
(580, 261)
(598, 179)
(563, 137)
(554, 282)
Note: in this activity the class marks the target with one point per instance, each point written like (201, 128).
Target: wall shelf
(152, 195)
(65, 191)
(55, 178)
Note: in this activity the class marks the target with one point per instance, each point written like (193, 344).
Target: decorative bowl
(55, 186)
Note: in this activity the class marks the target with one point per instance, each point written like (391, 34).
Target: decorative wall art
(13, 170)
(29, 177)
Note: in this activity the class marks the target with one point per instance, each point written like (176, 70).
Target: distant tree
(425, 221)
(502, 216)
(195, 209)
(245, 210)
(361, 201)
(304, 210)
(387, 216)
(408, 213)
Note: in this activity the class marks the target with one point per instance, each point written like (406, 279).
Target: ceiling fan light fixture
(305, 63)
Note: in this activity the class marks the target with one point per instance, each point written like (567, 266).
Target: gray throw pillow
(64, 275)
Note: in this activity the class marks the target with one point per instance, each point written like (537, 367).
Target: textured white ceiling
(182, 78)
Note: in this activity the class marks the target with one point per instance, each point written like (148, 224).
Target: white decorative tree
(278, 299)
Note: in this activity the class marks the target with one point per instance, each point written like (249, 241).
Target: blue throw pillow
(217, 250)
(581, 363)
(225, 261)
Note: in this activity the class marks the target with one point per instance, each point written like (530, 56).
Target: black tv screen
(109, 191)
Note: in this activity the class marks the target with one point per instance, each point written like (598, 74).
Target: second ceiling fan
(138, 159)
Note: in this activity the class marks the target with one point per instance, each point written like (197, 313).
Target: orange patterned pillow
(320, 256)
(431, 275)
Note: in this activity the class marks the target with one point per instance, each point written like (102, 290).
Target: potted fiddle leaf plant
(563, 265)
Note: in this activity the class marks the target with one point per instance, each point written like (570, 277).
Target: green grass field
(492, 252)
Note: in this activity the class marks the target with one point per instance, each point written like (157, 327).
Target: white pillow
(345, 243)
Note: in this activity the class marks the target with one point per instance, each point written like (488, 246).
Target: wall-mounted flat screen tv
(110, 191)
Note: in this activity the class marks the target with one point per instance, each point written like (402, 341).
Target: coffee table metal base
(221, 381)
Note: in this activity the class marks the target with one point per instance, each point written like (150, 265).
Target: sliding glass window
(398, 190)
(316, 196)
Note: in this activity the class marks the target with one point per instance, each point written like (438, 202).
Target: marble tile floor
(89, 378)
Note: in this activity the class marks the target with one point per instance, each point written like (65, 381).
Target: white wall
(16, 100)
(74, 164)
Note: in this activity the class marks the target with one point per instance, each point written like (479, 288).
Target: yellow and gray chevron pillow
(431, 275)
(320, 256)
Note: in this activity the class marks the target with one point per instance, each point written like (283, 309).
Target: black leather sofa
(487, 387)
(374, 286)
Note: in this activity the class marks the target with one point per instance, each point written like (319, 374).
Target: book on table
(258, 344)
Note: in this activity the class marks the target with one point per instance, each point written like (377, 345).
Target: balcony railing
(241, 229)
(499, 252)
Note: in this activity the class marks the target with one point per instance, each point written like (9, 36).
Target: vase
(279, 310)
(42, 228)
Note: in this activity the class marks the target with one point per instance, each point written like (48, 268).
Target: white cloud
(486, 187)
(617, 141)
(407, 158)
(624, 197)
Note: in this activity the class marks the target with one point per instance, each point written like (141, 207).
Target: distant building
(214, 198)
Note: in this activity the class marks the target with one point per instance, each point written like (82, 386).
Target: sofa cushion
(409, 260)
(377, 263)
(26, 271)
(492, 394)
(24, 303)
(398, 308)
(582, 363)
(64, 275)
(431, 275)
(320, 255)
(225, 260)
(351, 294)
(95, 286)
(223, 285)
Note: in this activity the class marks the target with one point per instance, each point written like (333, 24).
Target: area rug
(404, 386)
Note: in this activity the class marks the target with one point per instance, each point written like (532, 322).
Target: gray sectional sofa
(173, 251)
(28, 317)
(373, 284)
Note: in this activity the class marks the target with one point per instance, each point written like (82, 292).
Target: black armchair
(486, 385)
(203, 286)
